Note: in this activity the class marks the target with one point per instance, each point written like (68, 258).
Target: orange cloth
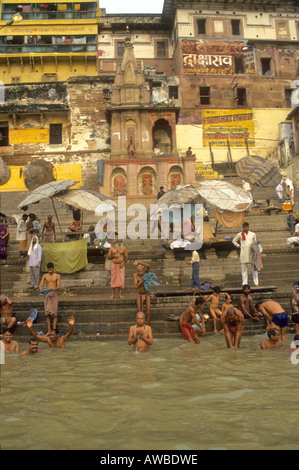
(230, 219)
(187, 331)
(117, 276)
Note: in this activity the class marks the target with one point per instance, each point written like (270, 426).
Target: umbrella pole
(56, 214)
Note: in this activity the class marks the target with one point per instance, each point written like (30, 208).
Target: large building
(54, 41)
(216, 76)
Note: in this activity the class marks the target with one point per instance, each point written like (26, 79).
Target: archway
(162, 135)
(147, 181)
(119, 182)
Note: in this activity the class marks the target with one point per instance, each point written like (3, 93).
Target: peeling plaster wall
(79, 105)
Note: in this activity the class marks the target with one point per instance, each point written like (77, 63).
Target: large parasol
(230, 200)
(45, 191)
(86, 199)
(258, 171)
(224, 196)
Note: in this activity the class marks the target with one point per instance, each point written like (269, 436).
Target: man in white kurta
(244, 240)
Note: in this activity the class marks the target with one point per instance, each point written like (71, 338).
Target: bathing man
(140, 335)
(273, 341)
(52, 281)
(279, 316)
(232, 323)
(118, 256)
(188, 318)
(6, 311)
(245, 304)
(54, 340)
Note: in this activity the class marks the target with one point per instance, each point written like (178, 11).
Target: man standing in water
(53, 340)
(232, 323)
(118, 256)
(50, 298)
(140, 335)
(279, 316)
(294, 302)
(188, 318)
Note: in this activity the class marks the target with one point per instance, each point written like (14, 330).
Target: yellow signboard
(223, 126)
(28, 136)
(61, 172)
(204, 172)
(50, 29)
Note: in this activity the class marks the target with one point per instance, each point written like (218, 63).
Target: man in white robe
(244, 240)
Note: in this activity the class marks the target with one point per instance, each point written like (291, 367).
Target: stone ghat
(111, 319)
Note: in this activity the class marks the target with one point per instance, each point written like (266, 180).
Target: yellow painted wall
(28, 136)
(67, 171)
(266, 137)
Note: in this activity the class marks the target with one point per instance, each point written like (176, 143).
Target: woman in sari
(3, 239)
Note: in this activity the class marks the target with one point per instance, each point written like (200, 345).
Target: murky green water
(102, 396)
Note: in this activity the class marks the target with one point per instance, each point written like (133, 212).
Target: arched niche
(162, 135)
(175, 176)
(118, 182)
(130, 133)
(147, 180)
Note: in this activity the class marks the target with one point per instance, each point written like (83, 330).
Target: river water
(179, 396)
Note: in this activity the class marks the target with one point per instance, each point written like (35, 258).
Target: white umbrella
(45, 191)
(85, 199)
(224, 196)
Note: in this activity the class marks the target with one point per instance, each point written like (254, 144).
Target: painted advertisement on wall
(221, 126)
(61, 172)
(217, 57)
(28, 136)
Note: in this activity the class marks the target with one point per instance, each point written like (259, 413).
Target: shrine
(144, 154)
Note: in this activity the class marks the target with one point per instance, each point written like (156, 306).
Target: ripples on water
(178, 396)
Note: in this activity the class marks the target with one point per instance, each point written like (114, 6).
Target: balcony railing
(52, 15)
(46, 48)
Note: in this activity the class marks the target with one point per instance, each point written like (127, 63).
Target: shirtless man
(188, 318)
(279, 316)
(49, 228)
(245, 304)
(32, 349)
(10, 346)
(142, 295)
(232, 323)
(52, 281)
(294, 302)
(140, 335)
(118, 256)
(273, 341)
(6, 312)
(214, 307)
(54, 340)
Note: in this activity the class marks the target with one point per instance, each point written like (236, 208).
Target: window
(201, 26)
(173, 92)
(161, 49)
(235, 27)
(120, 48)
(204, 93)
(239, 65)
(55, 134)
(15, 79)
(4, 134)
(266, 66)
(288, 94)
(241, 97)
